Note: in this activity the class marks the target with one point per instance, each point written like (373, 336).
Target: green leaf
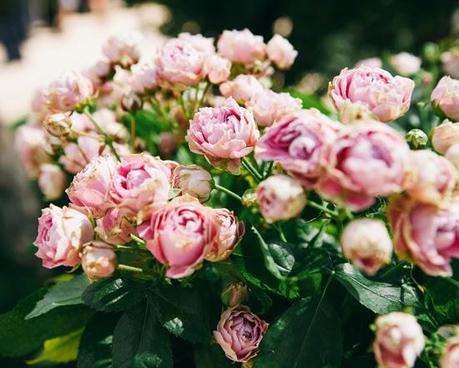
(379, 297)
(113, 295)
(442, 297)
(181, 311)
(308, 334)
(19, 337)
(61, 294)
(211, 356)
(139, 340)
(61, 349)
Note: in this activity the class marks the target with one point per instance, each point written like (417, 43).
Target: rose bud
(269, 107)
(426, 234)
(416, 139)
(281, 52)
(280, 198)
(234, 294)
(144, 77)
(89, 190)
(123, 49)
(367, 244)
(61, 233)
(181, 63)
(131, 101)
(372, 62)
(450, 62)
(30, 145)
(299, 142)
(241, 46)
(223, 134)
(399, 340)
(115, 227)
(452, 155)
(450, 354)
(230, 232)
(444, 136)
(180, 234)
(167, 144)
(432, 177)
(140, 181)
(239, 333)
(58, 125)
(242, 88)
(68, 93)
(51, 181)
(445, 97)
(193, 180)
(199, 42)
(387, 97)
(365, 162)
(405, 63)
(218, 69)
(98, 260)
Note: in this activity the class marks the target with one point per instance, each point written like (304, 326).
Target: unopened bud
(98, 260)
(58, 125)
(416, 139)
(131, 102)
(234, 294)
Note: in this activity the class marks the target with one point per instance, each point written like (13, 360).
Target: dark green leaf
(306, 335)
(442, 296)
(139, 340)
(211, 356)
(113, 295)
(379, 297)
(61, 294)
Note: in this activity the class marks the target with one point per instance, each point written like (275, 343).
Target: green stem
(108, 140)
(322, 208)
(123, 267)
(251, 169)
(203, 97)
(137, 239)
(182, 104)
(278, 227)
(227, 191)
(268, 169)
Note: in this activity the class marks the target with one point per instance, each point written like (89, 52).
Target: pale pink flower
(199, 42)
(242, 88)
(193, 180)
(444, 136)
(241, 46)
(450, 62)
(116, 226)
(98, 260)
(450, 355)
(144, 77)
(281, 52)
(51, 181)
(218, 69)
(123, 49)
(405, 63)
(445, 97)
(372, 62)
(78, 154)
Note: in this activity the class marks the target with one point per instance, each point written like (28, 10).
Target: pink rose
(144, 77)
(372, 62)
(299, 142)
(106, 119)
(230, 232)
(90, 188)
(115, 227)
(71, 91)
(405, 63)
(445, 97)
(452, 155)
(450, 62)
(139, 182)
(444, 136)
(180, 234)
(98, 260)
(241, 46)
(98, 73)
(387, 97)
(269, 107)
(450, 355)
(368, 161)
(426, 234)
(123, 49)
(281, 52)
(61, 233)
(242, 88)
(199, 42)
(223, 134)
(280, 198)
(218, 69)
(399, 340)
(433, 177)
(193, 180)
(181, 63)
(239, 333)
(78, 154)
(366, 242)
(52, 181)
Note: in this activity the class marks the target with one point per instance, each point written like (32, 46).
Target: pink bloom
(239, 333)
(230, 232)
(78, 154)
(61, 233)
(123, 49)
(450, 62)
(98, 73)
(444, 136)
(433, 177)
(223, 134)
(71, 91)
(280, 198)
(51, 181)
(269, 107)
(181, 63)
(372, 62)
(193, 180)
(426, 234)
(242, 88)
(450, 355)
(281, 52)
(366, 242)
(299, 142)
(199, 42)
(399, 340)
(387, 97)
(241, 46)
(98, 260)
(139, 182)
(115, 227)
(106, 119)
(39, 104)
(405, 63)
(218, 69)
(363, 163)
(90, 188)
(180, 234)
(452, 155)
(144, 77)
(445, 97)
